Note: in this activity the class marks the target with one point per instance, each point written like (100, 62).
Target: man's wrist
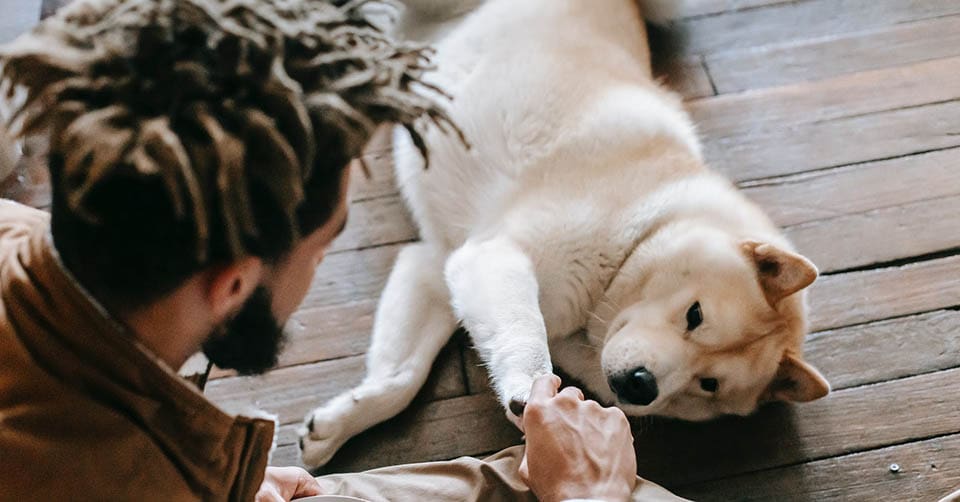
(602, 492)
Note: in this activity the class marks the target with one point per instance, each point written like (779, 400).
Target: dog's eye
(694, 317)
(709, 384)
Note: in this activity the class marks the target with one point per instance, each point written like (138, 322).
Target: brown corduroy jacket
(86, 412)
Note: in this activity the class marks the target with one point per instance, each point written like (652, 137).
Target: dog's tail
(660, 11)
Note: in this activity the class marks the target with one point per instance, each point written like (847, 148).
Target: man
(198, 153)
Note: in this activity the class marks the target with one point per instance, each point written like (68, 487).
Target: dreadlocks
(190, 132)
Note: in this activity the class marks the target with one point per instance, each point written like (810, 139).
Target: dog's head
(712, 325)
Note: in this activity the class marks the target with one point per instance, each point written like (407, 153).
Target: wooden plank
(351, 277)
(431, 431)
(694, 8)
(860, 297)
(802, 20)
(928, 470)
(675, 453)
(329, 332)
(292, 392)
(824, 100)
(880, 235)
(806, 197)
(739, 70)
(375, 222)
(887, 350)
(806, 147)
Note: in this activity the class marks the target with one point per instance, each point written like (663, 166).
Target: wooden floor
(840, 117)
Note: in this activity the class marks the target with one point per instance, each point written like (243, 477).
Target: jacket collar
(76, 340)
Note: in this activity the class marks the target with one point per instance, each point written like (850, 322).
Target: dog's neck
(685, 200)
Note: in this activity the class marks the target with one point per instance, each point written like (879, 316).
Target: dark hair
(185, 133)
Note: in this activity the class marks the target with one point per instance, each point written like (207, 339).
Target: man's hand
(286, 483)
(575, 448)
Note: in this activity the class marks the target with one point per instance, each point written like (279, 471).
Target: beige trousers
(465, 479)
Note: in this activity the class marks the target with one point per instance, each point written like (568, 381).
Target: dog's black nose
(636, 386)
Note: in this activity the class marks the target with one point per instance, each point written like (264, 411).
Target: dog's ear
(796, 381)
(781, 273)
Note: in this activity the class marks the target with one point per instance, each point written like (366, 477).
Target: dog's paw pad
(517, 405)
(320, 438)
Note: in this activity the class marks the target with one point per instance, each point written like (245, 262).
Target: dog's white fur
(577, 231)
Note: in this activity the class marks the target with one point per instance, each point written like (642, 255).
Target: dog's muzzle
(636, 386)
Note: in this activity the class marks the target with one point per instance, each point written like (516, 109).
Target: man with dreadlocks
(198, 153)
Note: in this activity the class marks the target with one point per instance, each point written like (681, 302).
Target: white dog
(582, 230)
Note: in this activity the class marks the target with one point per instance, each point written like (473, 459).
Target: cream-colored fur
(579, 232)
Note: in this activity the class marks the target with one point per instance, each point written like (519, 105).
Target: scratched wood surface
(842, 119)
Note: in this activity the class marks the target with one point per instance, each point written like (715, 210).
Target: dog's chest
(573, 275)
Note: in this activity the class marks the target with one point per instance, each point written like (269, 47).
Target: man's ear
(796, 381)
(781, 273)
(229, 286)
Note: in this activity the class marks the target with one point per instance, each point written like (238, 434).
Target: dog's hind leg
(413, 322)
(496, 296)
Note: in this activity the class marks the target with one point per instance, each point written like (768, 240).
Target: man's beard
(251, 341)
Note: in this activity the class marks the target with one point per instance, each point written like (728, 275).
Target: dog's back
(508, 68)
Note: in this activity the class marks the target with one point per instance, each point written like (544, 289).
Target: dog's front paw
(515, 394)
(515, 411)
(321, 436)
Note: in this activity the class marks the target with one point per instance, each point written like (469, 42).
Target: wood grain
(928, 469)
(860, 297)
(351, 277)
(739, 70)
(292, 392)
(846, 421)
(850, 140)
(427, 431)
(793, 21)
(834, 98)
(880, 235)
(694, 8)
(375, 222)
(806, 197)
(887, 350)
